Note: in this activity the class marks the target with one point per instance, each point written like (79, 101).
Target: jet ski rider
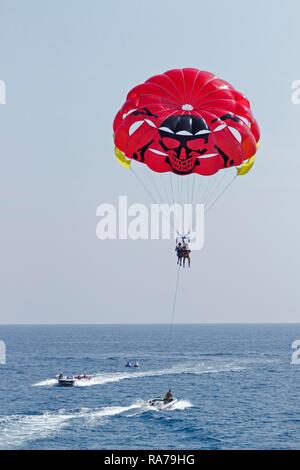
(168, 396)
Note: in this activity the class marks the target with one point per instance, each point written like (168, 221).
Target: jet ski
(161, 403)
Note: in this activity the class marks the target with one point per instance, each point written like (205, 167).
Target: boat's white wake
(104, 378)
(15, 430)
(46, 383)
(182, 405)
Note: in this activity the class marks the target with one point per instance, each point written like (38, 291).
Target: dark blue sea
(235, 385)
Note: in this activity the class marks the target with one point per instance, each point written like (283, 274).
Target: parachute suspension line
(215, 188)
(212, 187)
(177, 188)
(173, 197)
(181, 191)
(184, 181)
(221, 194)
(156, 189)
(208, 188)
(147, 190)
(151, 183)
(172, 189)
(198, 190)
(204, 188)
(174, 300)
(166, 192)
(201, 189)
(193, 190)
(169, 332)
(189, 184)
(143, 185)
(169, 183)
(184, 184)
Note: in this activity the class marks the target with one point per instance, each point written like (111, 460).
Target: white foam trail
(45, 383)
(196, 369)
(112, 411)
(107, 412)
(202, 368)
(17, 429)
(181, 405)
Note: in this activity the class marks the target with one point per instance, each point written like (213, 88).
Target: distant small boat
(136, 364)
(128, 364)
(69, 381)
(66, 381)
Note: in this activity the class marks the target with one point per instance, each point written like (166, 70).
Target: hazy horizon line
(151, 324)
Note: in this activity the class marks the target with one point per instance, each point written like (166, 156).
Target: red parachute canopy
(186, 121)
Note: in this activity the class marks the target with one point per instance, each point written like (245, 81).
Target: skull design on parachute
(186, 121)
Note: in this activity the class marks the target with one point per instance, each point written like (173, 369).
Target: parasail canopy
(186, 121)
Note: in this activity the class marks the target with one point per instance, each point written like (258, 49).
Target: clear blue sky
(67, 68)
